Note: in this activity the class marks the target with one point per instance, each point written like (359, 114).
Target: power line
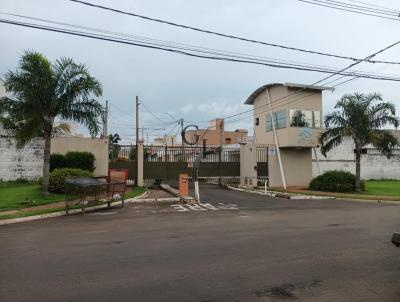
(155, 116)
(361, 7)
(181, 45)
(338, 7)
(218, 58)
(282, 99)
(176, 45)
(221, 34)
(370, 4)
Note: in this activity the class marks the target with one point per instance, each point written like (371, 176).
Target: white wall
(20, 163)
(373, 164)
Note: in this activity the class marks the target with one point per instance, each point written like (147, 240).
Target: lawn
(133, 192)
(382, 187)
(11, 195)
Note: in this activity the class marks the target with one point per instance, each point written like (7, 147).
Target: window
(305, 118)
(257, 121)
(279, 120)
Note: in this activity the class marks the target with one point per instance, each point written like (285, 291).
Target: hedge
(72, 159)
(58, 176)
(334, 181)
(56, 161)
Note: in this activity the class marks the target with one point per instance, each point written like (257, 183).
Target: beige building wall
(97, 146)
(297, 167)
(212, 134)
(289, 136)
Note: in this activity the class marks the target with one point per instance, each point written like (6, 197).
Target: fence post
(140, 157)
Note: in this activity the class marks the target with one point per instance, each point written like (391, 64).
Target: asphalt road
(239, 247)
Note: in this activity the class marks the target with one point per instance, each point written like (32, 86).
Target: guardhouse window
(305, 118)
(257, 121)
(279, 119)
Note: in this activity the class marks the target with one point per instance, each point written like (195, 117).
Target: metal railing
(179, 154)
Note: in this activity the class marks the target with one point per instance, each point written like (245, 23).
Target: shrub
(335, 181)
(57, 161)
(79, 160)
(58, 176)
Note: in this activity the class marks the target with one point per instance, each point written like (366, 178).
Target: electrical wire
(285, 98)
(218, 58)
(370, 4)
(360, 7)
(155, 116)
(221, 34)
(324, 4)
(176, 45)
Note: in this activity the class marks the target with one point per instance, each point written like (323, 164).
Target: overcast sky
(198, 89)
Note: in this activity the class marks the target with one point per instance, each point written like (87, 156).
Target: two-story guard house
(297, 112)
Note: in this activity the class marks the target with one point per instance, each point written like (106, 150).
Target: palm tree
(360, 117)
(42, 91)
(113, 146)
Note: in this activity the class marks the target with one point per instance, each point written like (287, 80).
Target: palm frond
(384, 141)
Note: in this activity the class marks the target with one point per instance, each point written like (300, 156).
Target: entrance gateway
(166, 163)
(287, 124)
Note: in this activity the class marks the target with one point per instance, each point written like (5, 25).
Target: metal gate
(163, 163)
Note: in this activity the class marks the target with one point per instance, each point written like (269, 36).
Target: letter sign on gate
(183, 184)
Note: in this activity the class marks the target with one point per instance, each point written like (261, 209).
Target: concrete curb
(281, 195)
(294, 196)
(71, 212)
(157, 200)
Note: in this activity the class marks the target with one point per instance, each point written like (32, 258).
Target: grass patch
(11, 195)
(374, 189)
(135, 191)
(129, 194)
(382, 187)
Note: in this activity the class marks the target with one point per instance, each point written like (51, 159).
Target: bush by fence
(73, 159)
(334, 181)
(58, 176)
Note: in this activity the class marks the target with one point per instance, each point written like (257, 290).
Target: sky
(173, 86)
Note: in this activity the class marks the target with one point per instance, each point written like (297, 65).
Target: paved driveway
(237, 247)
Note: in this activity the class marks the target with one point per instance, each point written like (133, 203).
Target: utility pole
(137, 139)
(182, 148)
(221, 142)
(137, 119)
(105, 121)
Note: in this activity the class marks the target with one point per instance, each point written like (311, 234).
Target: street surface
(235, 247)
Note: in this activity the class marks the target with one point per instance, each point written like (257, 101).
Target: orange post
(183, 184)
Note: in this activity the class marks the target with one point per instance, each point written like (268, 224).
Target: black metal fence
(180, 154)
(165, 163)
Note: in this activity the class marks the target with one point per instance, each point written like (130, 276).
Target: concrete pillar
(248, 165)
(140, 152)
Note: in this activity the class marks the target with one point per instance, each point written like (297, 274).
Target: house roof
(258, 91)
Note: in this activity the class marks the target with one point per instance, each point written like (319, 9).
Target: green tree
(42, 91)
(113, 146)
(360, 117)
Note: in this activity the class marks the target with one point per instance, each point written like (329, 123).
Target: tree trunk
(46, 164)
(358, 169)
